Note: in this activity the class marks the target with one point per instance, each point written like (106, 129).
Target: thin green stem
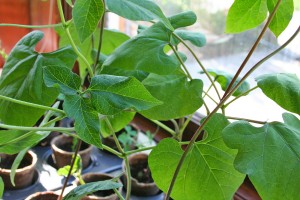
(139, 150)
(107, 148)
(24, 128)
(271, 16)
(207, 90)
(198, 61)
(128, 189)
(67, 30)
(114, 135)
(163, 126)
(183, 127)
(31, 26)
(176, 127)
(245, 119)
(31, 104)
(100, 38)
(206, 108)
(210, 97)
(241, 95)
(181, 62)
(118, 194)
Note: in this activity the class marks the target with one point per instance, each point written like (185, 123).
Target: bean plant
(120, 76)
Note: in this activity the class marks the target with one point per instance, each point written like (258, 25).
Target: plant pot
(62, 151)
(101, 195)
(109, 141)
(48, 195)
(24, 175)
(142, 183)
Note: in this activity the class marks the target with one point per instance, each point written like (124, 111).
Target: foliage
(138, 75)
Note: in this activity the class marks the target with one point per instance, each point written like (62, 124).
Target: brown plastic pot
(62, 156)
(48, 195)
(93, 177)
(24, 176)
(139, 188)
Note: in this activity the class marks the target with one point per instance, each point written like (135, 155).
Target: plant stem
(176, 127)
(31, 26)
(253, 48)
(182, 128)
(245, 119)
(107, 148)
(164, 127)
(61, 13)
(207, 90)
(206, 94)
(118, 194)
(198, 61)
(181, 62)
(241, 95)
(139, 150)
(206, 107)
(128, 173)
(266, 58)
(100, 38)
(25, 128)
(31, 104)
(114, 135)
(71, 169)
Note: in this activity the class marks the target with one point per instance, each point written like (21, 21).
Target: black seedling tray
(46, 177)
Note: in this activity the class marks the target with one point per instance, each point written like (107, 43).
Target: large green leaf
(145, 54)
(138, 10)
(12, 141)
(22, 79)
(117, 121)
(113, 94)
(180, 96)
(86, 15)
(207, 172)
(86, 118)
(62, 78)
(282, 88)
(282, 17)
(270, 155)
(245, 14)
(88, 188)
(224, 79)
(112, 39)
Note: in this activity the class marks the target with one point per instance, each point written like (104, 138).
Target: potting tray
(46, 177)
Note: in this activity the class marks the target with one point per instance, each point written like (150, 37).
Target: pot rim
(134, 179)
(28, 167)
(55, 147)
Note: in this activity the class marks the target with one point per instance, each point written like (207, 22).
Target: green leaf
(244, 15)
(282, 16)
(138, 10)
(1, 187)
(64, 171)
(86, 118)
(224, 79)
(113, 94)
(118, 121)
(145, 54)
(269, 155)
(16, 164)
(196, 38)
(282, 88)
(62, 78)
(86, 15)
(82, 190)
(22, 79)
(113, 39)
(180, 96)
(207, 172)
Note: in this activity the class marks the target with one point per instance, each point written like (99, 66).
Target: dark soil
(141, 172)
(7, 161)
(104, 193)
(68, 147)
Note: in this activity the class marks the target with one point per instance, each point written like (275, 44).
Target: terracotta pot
(62, 152)
(140, 187)
(109, 141)
(48, 195)
(93, 177)
(24, 175)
